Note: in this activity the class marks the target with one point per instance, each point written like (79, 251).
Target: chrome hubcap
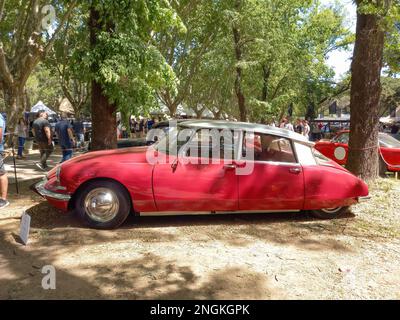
(101, 204)
(331, 210)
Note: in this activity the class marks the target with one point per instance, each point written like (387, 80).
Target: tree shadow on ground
(297, 229)
(147, 277)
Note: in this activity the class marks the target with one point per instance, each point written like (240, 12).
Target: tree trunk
(366, 67)
(266, 74)
(172, 109)
(238, 80)
(14, 101)
(104, 122)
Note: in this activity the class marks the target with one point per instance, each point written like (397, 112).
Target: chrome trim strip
(183, 213)
(46, 193)
(363, 199)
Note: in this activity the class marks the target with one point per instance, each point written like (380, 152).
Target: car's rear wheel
(329, 213)
(103, 204)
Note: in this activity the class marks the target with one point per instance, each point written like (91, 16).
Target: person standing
(282, 125)
(306, 129)
(132, 127)
(299, 126)
(141, 128)
(150, 124)
(289, 126)
(315, 132)
(3, 174)
(66, 139)
(79, 130)
(41, 130)
(21, 131)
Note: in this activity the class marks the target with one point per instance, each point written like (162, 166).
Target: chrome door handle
(295, 170)
(229, 166)
(174, 165)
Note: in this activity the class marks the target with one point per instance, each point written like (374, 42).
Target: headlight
(58, 172)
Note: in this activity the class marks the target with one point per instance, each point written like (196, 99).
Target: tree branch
(59, 28)
(2, 3)
(4, 71)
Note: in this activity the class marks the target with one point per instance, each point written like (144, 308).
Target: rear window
(267, 147)
(320, 158)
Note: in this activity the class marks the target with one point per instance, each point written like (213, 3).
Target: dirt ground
(247, 256)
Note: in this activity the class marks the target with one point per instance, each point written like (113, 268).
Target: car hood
(132, 154)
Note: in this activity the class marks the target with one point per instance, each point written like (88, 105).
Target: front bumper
(40, 189)
(363, 199)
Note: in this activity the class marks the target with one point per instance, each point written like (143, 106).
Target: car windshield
(170, 141)
(388, 141)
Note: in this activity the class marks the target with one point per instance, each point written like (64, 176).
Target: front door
(276, 181)
(198, 183)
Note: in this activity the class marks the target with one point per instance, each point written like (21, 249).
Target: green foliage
(284, 45)
(43, 85)
(388, 12)
(125, 60)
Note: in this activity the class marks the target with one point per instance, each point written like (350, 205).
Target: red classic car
(337, 150)
(251, 168)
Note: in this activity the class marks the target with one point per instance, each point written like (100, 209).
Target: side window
(268, 148)
(213, 144)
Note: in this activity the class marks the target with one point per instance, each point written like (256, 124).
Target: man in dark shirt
(79, 131)
(65, 137)
(41, 130)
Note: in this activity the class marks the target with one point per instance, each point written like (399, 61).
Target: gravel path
(247, 256)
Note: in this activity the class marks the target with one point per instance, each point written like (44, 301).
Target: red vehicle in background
(337, 149)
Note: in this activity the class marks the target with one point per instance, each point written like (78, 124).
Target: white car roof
(245, 126)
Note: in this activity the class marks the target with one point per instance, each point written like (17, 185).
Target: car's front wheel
(329, 213)
(103, 204)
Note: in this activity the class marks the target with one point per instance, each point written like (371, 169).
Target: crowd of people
(138, 128)
(301, 126)
(70, 135)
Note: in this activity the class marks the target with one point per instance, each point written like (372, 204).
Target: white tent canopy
(41, 106)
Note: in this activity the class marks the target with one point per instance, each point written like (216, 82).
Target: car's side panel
(331, 187)
(130, 169)
(272, 186)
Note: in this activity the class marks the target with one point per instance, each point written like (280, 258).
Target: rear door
(276, 181)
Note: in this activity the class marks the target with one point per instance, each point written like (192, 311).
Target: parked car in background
(288, 174)
(395, 135)
(137, 142)
(337, 149)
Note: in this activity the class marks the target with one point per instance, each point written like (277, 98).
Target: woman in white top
(306, 129)
(21, 131)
